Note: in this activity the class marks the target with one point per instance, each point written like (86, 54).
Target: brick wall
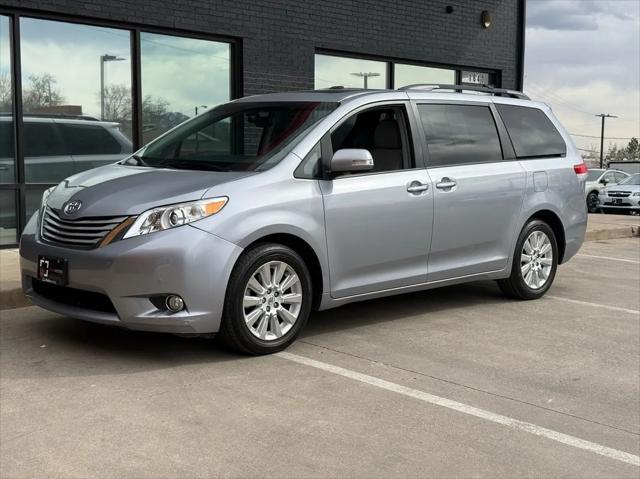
(279, 37)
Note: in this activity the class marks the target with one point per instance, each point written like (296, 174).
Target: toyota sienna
(247, 217)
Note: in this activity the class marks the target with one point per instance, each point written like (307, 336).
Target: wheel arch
(555, 223)
(308, 254)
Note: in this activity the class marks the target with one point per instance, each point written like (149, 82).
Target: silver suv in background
(244, 219)
(63, 145)
(625, 196)
(597, 180)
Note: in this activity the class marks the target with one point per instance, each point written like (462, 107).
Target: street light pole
(366, 76)
(103, 59)
(603, 116)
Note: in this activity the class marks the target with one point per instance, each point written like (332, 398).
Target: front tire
(268, 300)
(535, 262)
(592, 202)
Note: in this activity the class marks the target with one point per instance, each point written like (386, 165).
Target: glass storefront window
(349, 72)
(411, 74)
(180, 77)
(76, 89)
(33, 200)
(7, 217)
(7, 160)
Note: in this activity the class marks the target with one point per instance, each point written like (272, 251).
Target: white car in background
(623, 196)
(597, 180)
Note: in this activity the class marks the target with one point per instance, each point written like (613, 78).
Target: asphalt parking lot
(455, 382)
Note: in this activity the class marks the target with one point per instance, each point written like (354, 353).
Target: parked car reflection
(56, 147)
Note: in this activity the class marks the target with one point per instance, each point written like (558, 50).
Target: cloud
(575, 15)
(583, 58)
(185, 72)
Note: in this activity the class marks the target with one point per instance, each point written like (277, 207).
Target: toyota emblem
(72, 207)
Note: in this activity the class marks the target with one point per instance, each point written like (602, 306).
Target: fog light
(174, 303)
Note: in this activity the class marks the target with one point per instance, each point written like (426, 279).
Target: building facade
(86, 82)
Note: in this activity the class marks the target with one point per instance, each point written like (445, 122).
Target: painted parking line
(608, 258)
(594, 305)
(467, 409)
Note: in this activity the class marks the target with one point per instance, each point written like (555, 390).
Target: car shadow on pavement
(55, 346)
(391, 308)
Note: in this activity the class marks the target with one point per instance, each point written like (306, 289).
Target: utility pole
(103, 59)
(49, 88)
(366, 76)
(603, 116)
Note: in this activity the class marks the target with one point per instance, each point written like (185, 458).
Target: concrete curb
(13, 298)
(619, 232)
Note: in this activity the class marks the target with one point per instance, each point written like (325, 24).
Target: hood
(119, 190)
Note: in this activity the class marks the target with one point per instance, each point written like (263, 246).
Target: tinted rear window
(89, 140)
(41, 139)
(459, 134)
(532, 132)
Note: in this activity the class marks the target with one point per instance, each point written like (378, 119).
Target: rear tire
(535, 262)
(268, 300)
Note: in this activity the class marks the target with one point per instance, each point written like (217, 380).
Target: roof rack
(67, 116)
(462, 88)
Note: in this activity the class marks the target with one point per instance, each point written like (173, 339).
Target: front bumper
(619, 203)
(186, 261)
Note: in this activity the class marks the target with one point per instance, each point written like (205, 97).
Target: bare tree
(5, 93)
(154, 109)
(117, 103)
(41, 92)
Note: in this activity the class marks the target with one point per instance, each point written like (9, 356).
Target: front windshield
(632, 180)
(237, 136)
(593, 175)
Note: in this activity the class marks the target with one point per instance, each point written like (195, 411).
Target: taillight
(581, 170)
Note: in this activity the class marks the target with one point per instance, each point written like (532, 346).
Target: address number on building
(477, 78)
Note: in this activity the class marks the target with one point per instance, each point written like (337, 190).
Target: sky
(582, 57)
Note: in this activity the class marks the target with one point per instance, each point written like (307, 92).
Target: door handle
(417, 187)
(446, 183)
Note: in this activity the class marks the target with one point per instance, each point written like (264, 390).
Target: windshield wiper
(138, 159)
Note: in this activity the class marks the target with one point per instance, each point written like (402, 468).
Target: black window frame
(408, 137)
(506, 147)
(20, 186)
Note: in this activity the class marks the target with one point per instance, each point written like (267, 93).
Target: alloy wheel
(536, 260)
(272, 300)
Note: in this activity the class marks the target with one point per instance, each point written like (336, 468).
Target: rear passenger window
(531, 131)
(89, 140)
(459, 134)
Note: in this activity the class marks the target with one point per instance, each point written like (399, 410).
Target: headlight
(637, 193)
(45, 195)
(172, 216)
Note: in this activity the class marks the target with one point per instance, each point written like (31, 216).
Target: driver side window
(383, 132)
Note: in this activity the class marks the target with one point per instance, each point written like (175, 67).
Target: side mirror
(604, 182)
(350, 160)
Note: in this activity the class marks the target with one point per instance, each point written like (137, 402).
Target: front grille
(81, 233)
(619, 194)
(77, 298)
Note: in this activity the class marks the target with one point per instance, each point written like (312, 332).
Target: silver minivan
(244, 219)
